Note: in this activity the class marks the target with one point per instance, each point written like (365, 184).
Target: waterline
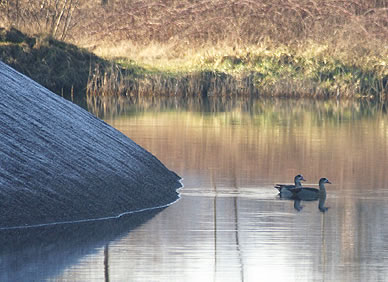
(96, 219)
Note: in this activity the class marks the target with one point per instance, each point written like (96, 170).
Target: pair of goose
(297, 192)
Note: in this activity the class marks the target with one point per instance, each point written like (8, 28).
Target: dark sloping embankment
(61, 67)
(60, 163)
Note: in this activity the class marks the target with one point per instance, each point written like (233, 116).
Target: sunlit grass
(307, 69)
(323, 48)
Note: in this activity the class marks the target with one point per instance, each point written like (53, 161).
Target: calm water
(230, 224)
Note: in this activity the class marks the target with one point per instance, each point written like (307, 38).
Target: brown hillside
(188, 22)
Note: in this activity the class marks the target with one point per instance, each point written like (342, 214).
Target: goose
(312, 194)
(284, 189)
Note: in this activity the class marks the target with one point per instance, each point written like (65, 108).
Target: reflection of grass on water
(243, 136)
(222, 111)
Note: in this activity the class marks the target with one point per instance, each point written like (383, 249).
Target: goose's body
(305, 193)
(284, 189)
(312, 194)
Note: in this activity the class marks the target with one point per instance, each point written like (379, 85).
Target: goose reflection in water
(321, 204)
(310, 194)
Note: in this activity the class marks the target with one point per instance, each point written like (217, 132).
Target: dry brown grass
(180, 35)
(196, 23)
(48, 17)
(176, 35)
(193, 23)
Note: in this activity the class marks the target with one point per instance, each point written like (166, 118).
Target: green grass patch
(267, 70)
(307, 71)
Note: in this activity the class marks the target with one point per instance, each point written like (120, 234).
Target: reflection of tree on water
(106, 263)
(232, 223)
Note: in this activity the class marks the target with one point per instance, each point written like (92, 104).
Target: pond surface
(229, 224)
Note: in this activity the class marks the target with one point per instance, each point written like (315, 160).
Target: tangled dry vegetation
(238, 21)
(302, 47)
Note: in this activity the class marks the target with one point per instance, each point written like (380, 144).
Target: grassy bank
(61, 67)
(298, 48)
(309, 70)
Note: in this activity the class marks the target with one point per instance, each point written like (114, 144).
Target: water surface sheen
(230, 224)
